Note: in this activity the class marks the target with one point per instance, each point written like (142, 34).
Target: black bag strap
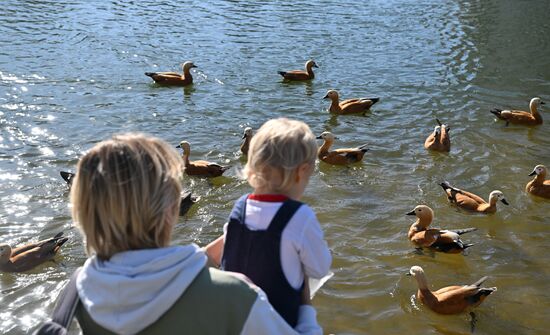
(67, 302)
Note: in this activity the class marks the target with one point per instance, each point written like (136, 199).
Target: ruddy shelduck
(300, 75)
(67, 177)
(339, 156)
(437, 239)
(539, 186)
(174, 78)
(349, 106)
(532, 118)
(471, 202)
(450, 299)
(247, 137)
(28, 256)
(440, 139)
(199, 168)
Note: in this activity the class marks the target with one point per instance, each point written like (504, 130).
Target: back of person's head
(126, 194)
(280, 146)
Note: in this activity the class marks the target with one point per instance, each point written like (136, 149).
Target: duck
(187, 199)
(422, 236)
(339, 156)
(200, 168)
(451, 299)
(532, 118)
(471, 202)
(174, 78)
(539, 186)
(28, 256)
(349, 106)
(440, 139)
(300, 75)
(247, 137)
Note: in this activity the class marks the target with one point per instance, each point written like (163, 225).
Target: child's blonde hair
(280, 145)
(126, 194)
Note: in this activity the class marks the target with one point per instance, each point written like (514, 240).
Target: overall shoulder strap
(283, 215)
(68, 300)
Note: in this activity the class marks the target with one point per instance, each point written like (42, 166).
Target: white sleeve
(314, 252)
(263, 319)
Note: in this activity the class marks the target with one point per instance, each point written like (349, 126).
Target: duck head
(187, 66)
(311, 63)
(247, 133)
(418, 273)
(437, 130)
(536, 102)
(424, 214)
(539, 170)
(332, 95)
(496, 196)
(184, 145)
(5, 253)
(327, 136)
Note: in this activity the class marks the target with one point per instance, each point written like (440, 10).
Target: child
(271, 237)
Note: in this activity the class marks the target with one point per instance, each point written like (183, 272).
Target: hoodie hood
(135, 288)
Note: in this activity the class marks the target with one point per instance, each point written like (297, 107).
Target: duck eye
(420, 210)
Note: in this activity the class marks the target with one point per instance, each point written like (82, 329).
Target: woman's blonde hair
(279, 146)
(126, 194)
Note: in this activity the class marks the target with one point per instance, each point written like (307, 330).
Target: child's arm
(214, 251)
(314, 252)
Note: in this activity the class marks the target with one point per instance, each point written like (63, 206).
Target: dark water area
(71, 74)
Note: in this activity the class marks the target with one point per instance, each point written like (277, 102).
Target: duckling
(539, 186)
(450, 299)
(472, 202)
(349, 106)
(174, 78)
(247, 137)
(532, 118)
(300, 75)
(28, 256)
(440, 240)
(187, 199)
(200, 168)
(440, 139)
(339, 156)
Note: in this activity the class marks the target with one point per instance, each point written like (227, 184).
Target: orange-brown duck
(200, 168)
(471, 202)
(344, 156)
(532, 118)
(349, 106)
(437, 239)
(440, 139)
(450, 299)
(174, 78)
(539, 186)
(247, 137)
(300, 75)
(28, 256)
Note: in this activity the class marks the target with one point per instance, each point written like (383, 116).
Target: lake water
(71, 74)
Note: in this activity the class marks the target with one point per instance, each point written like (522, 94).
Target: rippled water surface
(71, 74)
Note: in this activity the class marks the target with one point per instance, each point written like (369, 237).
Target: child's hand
(306, 300)
(214, 251)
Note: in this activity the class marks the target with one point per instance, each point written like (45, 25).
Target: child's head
(126, 194)
(278, 152)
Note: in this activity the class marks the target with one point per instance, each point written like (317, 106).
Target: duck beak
(411, 213)
(315, 65)
(178, 146)
(193, 65)
(319, 137)
(408, 273)
(542, 103)
(533, 173)
(244, 136)
(325, 97)
(504, 201)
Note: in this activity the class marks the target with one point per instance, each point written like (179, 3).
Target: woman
(125, 199)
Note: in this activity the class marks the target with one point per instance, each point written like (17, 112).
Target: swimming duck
(440, 139)
(247, 137)
(349, 106)
(532, 118)
(450, 299)
(199, 168)
(28, 256)
(472, 202)
(539, 186)
(339, 156)
(187, 199)
(298, 75)
(438, 239)
(174, 78)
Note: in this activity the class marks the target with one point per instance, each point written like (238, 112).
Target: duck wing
(295, 75)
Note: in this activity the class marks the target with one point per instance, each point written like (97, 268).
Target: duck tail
(446, 186)
(282, 73)
(487, 290)
(467, 245)
(463, 231)
(480, 281)
(150, 74)
(67, 176)
(374, 100)
(363, 148)
(225, 168)
(496, 111)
